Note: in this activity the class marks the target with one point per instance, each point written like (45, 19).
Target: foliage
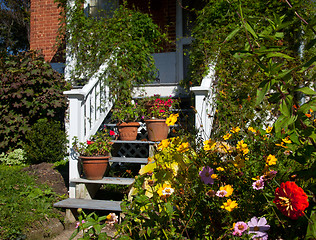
(288, 83)
(22, 202)
(176, 197)
(91, 225)
(236, 78)
(16, 157)
(15, 26)
(127, 110)
(123, 41)
(45, 142)
(29, 90)
(99, 144)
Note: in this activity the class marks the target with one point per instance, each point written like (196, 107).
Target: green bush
(45, 142)
(29, 90)
(13, 158)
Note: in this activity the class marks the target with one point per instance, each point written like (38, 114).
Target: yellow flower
(223, 147)
(165, 190)
(242, 147)
(209, 145)
(220, 169)
(235, 129)
(163, 144)
(238, 162)
(271, 160)
(251, 129)
(287, 140)
(227, 136)
(172, 119)
(229, 205)
(183, 147)
(229, 190)
(281, 145)
(214, 176)
(269, 129)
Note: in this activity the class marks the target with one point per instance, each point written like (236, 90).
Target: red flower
(112, 133)
(291, 200)
(89, 142)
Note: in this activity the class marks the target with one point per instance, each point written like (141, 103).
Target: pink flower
(206, 174)
(162, 111)
(112, 133)
(257, 185)
(221, 193)
(239, 228)
(78, 223)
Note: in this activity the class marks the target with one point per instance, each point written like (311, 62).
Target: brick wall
(44, 27)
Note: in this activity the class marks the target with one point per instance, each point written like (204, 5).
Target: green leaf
(250, 29)
(261, 93)
(284, 109)
(278, 54)
(232, 34)
(306, 90)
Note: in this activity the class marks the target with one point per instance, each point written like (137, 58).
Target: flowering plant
(237, 187)
(159, 107)
(90, 225)
(127, 110)
(99, 144)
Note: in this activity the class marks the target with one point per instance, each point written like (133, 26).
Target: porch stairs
(85, 190)
(82, 191)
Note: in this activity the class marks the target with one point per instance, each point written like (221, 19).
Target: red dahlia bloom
(291, 200)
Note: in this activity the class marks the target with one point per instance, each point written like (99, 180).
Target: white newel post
(76, 128)
(204, 105)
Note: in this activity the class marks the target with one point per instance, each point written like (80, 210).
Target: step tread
(129, 160)
(105, 180)
(92, 204)
(143, 141)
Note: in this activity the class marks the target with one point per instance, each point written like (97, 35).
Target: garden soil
(57, 179)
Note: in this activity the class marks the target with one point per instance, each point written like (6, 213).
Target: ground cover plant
(24, 204)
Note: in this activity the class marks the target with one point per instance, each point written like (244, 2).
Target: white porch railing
(88, 107)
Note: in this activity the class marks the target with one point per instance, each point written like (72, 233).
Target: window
(102, 8)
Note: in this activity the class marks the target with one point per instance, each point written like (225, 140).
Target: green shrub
(29, 90)
(13, 158)
(45, 142)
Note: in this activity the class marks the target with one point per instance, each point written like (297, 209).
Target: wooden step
(92, 204)
(105, 180)
(129, 160)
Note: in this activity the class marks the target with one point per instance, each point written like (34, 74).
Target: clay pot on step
(157, 129)
(94, 167)
(128, 131)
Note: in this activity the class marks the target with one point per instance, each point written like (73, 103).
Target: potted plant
(159, 116)
(126, 113)
(94, 154)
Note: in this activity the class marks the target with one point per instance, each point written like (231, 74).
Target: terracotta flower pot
(128, 131)
(157, 129)
(94, 167)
